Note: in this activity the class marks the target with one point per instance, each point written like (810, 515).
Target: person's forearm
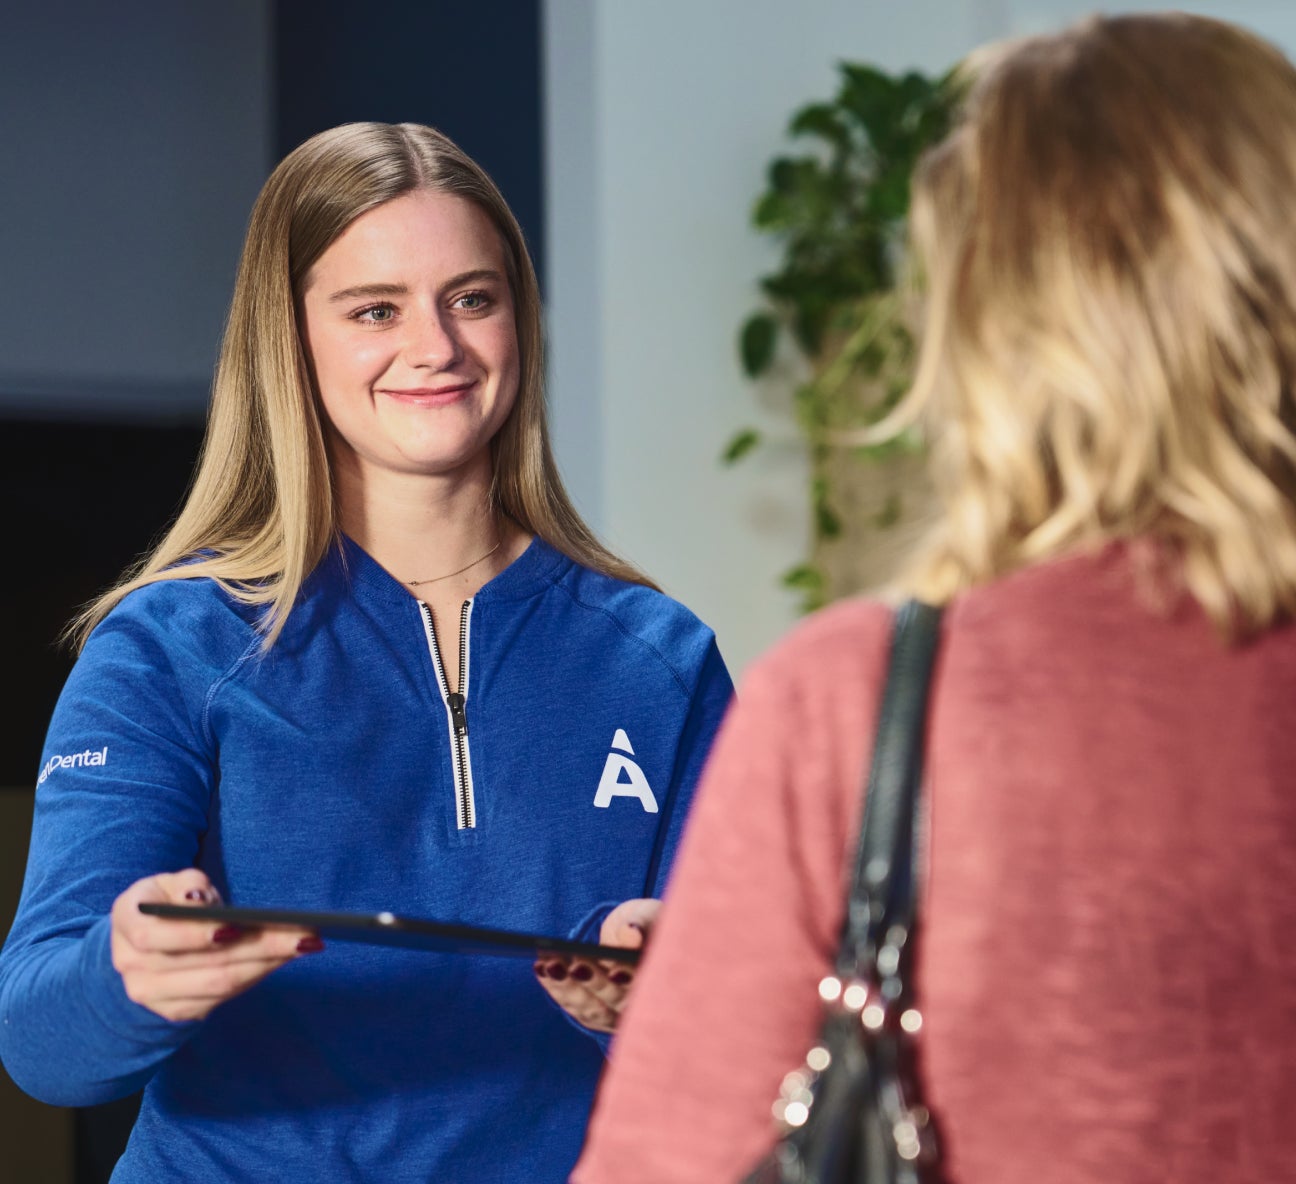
(69, 1035)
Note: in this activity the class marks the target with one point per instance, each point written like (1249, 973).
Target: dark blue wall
(134, 137)
(470, 70)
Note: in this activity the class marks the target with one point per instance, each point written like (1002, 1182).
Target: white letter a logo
(612, 786)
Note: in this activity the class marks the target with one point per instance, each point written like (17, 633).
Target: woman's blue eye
(376, 314)
(472, 301)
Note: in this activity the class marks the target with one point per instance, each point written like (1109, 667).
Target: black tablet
(388, 929)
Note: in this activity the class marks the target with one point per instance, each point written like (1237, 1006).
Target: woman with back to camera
(378, 663)
(1105, 971)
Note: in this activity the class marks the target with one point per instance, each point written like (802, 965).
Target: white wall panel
(656, 152)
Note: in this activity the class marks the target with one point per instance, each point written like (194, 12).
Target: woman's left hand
(594, 993)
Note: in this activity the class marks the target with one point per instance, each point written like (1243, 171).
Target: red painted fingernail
(557, 971)
(226, 934)
(310, 945)
(539, 969)
(621, 977)
(582, 973)
(197, 894)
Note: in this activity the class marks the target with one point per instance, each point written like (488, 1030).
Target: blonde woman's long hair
(260, 512)
(1108, 251)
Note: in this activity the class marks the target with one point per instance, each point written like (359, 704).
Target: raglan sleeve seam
(631, 635)
(711, 668)
(219, 683)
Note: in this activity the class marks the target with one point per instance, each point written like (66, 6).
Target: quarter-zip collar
(456, 703)
(538, 567)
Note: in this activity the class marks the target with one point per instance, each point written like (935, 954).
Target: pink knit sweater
(1108, 966)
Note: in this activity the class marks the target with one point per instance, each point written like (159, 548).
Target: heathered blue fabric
(319, 776)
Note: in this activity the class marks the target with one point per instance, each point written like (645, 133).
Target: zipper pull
(456, 702)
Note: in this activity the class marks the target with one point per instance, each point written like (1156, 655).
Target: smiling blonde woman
(378, 664)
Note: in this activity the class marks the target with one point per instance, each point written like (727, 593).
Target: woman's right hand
(182, 969)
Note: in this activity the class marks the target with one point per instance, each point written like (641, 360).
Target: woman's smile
(427, 396)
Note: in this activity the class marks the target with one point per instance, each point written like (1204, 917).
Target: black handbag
(850, 1114)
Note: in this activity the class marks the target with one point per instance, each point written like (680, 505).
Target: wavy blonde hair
(260, 513)
(1107, 246)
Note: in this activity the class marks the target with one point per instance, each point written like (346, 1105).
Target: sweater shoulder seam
(219, 682)
(627, 633)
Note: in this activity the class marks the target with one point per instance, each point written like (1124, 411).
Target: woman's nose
(432, 342)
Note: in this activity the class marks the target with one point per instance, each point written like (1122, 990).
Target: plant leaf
(869, 95)
(810, 321)
(889, 514)
(788, 174)
(772, 211)
(828, 524)
(756, 343)
(820, 119)
(805, 577)
(741, 444)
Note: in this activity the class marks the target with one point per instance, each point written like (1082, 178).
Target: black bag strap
(883, 894)
(860, 1118)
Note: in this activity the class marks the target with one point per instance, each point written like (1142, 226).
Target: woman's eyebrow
(368, 291)
(365, 291)
(476, 276)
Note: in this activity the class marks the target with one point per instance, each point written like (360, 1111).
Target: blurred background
(631, 140)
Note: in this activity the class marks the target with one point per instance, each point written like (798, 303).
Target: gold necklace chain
(466, 566)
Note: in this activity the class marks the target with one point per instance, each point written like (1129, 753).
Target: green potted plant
(839, 211)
